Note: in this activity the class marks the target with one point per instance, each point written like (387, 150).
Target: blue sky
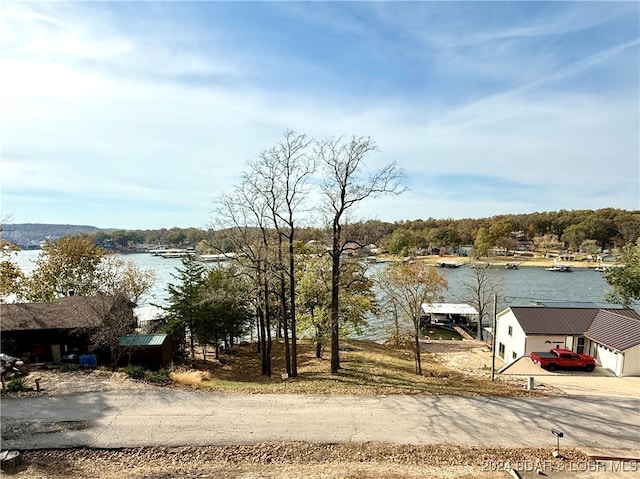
(138, 115)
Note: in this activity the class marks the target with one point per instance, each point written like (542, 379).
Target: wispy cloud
(111, 110)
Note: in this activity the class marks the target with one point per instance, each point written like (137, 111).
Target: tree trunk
(263, 341)
(335, 290)
(418, 362)
(267, 315)
(283, 302)
(292, 308)
(259, 331)
(318, 339)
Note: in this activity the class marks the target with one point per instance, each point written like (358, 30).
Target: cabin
(45, 332)
(610, 335)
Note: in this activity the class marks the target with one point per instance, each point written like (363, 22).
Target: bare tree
(281, 176)
(345, 187)
(407, 286)
(480, 286)
(115, 313)
(245, 213)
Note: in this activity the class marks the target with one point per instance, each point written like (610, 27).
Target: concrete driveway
(600, 382)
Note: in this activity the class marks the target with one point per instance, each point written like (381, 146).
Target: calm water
(520, 287)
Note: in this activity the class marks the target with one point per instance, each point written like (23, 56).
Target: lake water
(521, 287)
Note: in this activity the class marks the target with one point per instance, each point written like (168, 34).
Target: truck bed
(545, 355)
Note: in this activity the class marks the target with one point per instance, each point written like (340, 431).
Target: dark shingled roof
(625, 334)
(66, 313)
(563, 321)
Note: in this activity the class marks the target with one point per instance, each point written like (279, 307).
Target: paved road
(178, 417)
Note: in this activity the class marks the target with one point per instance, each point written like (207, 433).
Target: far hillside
(589, 231)
(30, 235)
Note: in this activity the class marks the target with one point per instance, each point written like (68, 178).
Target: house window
(580, 345)
(514, 355)
(510, 330)
(501, 350)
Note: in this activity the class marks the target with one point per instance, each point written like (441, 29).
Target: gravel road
(172, 417)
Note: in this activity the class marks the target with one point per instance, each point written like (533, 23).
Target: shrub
(157, 377)
(190, 377)
(69, 367)
(135, 372)
(17, 385)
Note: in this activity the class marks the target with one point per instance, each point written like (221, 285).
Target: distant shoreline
(499, 261)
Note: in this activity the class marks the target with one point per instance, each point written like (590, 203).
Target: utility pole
(493, 336)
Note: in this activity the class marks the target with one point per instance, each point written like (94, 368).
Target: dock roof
(449, 308)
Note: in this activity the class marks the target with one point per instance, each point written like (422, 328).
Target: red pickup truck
(563, 359)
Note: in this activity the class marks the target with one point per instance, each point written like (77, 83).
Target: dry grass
(191, 378)
(367, 368)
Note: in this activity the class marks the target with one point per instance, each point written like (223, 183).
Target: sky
(138, 115)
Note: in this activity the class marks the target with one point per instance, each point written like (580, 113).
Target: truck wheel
(552, 366)
(589, 368)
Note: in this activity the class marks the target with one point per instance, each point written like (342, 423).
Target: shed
(153, 351)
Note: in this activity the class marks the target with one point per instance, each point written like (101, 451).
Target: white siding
(609, 359)
(514, 343)
(543, 343)
(518, 344)
(631, 365)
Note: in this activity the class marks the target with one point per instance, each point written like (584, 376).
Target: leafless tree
(245, 214)
(344, 187)
(115, 313)
(280, 175)
(480, 286)
(407, 286)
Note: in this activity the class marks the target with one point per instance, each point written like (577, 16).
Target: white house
(612, 336)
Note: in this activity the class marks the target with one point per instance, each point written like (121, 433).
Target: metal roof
(625, 334)
(554, 321)
(577, 304)
(143, 340)
(566, 321)
(449, 308)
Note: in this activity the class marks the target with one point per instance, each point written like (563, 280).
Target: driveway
(600, 382)
(173, 417)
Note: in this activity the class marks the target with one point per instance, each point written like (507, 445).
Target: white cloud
(92, 117)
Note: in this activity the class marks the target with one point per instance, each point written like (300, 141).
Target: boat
(175, 253)
(559, 268)
(512, 266)
(446, 264)
(602, 268)
(215, 258)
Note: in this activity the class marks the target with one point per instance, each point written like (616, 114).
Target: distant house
(47, 331)
(350, 249)
(612, 336)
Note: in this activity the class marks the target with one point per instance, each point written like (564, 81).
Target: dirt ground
(474, 358)
(470, 357)
(286, 461)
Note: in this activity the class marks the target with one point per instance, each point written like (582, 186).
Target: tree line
(605, 228)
